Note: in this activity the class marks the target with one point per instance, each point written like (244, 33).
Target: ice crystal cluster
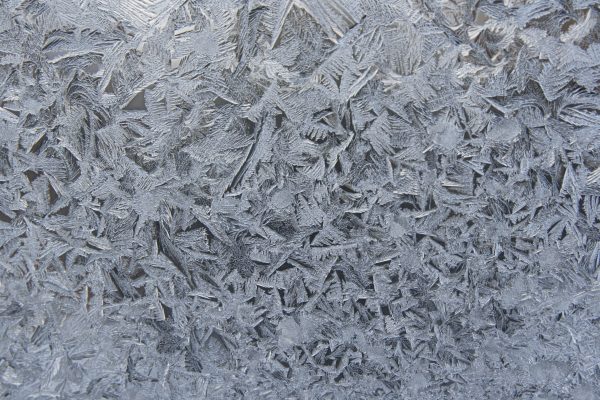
(299, 199)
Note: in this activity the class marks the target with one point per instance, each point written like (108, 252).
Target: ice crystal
(299, 199)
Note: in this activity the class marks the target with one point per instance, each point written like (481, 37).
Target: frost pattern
(299, 199)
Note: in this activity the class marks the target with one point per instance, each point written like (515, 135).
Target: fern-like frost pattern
(299, 199)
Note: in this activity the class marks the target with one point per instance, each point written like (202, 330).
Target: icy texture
(299, 199)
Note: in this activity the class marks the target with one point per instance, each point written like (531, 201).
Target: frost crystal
(299, 199)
